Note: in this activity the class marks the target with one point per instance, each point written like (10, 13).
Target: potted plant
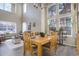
(42, 34)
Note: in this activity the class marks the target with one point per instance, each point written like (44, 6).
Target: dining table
(39, 42)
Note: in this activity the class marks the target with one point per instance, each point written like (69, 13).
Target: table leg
(39, 50)
(24, 50)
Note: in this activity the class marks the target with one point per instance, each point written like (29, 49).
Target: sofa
(2, 38)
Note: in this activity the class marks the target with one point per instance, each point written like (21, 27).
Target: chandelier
(38, 5)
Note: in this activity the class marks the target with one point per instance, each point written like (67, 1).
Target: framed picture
(34, 24)
(29, 26)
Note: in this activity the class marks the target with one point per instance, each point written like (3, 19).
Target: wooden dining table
(39, 42)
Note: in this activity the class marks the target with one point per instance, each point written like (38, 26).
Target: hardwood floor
(5, 50)
(66, 51)
(63, 51)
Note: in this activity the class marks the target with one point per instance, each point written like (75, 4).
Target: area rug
(11, 45)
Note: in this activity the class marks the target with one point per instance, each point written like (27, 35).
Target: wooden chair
(77, 44)
(52, 46)
(33, 33)
(55, 34)
(53, 41)
(28, 47)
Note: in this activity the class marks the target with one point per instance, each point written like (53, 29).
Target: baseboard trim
(68, 45)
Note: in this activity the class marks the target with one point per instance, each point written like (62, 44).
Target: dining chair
(52, 45)
(55, 39)
(55, 34)
(77, 44)
(28, 47)
(33, 33)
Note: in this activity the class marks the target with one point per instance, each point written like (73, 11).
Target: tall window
(66, 24)
(52, 11)
(25, 27)
(7, 27)
(5, 6)
(57, 19)
(64, 8)
(24, 8)
(52, 24)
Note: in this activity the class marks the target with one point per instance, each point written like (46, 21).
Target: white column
(43, 19)
(74, 18)
(19, 13)
(74, 24)
(46, 20)
(57, 18)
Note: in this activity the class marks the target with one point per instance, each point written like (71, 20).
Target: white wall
(78, 18)
(33, 15)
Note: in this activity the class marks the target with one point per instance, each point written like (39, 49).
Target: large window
(57, 19)
(5, 6)
(7, 27)
(64, 8)
(24, 8)
(66, 24)
(52, 21)
(52, 11)
(52, 24)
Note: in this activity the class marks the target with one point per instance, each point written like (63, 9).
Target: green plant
(7, 33)
(42, 34)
